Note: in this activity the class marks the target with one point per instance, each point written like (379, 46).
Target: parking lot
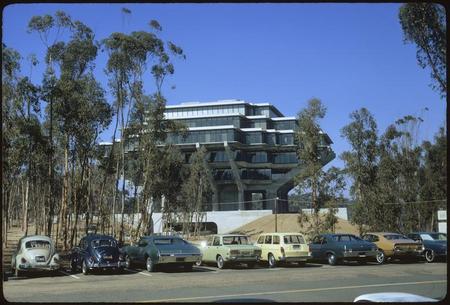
(312, 282)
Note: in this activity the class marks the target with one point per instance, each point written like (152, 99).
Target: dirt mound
(286, 223)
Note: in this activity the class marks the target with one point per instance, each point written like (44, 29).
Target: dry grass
(286, 223)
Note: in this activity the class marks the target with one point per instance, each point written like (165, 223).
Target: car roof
(282, 233)
(90, 237)
(35, 237)
(384, 233)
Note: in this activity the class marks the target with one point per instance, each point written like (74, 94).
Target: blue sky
(348, 55)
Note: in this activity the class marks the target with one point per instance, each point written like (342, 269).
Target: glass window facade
(283, 125)
(217, 156)
(181, 112)
(256, 174)
(284, 158)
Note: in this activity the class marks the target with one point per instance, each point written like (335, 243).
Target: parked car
(96, 252)
(394, 245)
(283, 248)
(156, 250)
(229, 249)
(435, 244)
(338, 247)
(34, 253)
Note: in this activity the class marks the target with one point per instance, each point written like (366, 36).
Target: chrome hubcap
(220, 262)
(380, 257)
(149, 264)
(429, 255)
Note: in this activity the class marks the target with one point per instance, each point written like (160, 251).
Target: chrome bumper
(107, 265)
(29, 267)
(253, 258)
(163, 259)
(401, 252)
(294, 258)
(360, 254)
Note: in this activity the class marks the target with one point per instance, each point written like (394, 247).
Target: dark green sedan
(156, 250)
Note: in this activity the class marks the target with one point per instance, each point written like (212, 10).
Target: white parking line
(146, 274)
(65, 273)
(293, 291)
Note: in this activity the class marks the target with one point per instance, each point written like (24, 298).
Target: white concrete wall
(341, 212)
(227, 220)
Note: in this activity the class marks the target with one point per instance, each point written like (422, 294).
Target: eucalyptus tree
(424, 24)
(43, 26)
(197, 191)
(361, 166)
(310, 151)
(129, 56)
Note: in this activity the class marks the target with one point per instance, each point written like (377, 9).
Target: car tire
(220, 262)
(128, 262)
(429, 256)
(251, 265)
(198, 263)
(332, 260)
(17, 272)
(381, 257)
(73, 266)
(271, 261)
(149, 265)
(84, 268)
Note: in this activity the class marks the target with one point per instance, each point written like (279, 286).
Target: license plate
(107, 257)
(180, 259)
(40, 259)
(362, 255)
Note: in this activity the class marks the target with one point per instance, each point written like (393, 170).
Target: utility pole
(276, 213)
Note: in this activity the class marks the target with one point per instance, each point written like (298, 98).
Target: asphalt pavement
(309, 283)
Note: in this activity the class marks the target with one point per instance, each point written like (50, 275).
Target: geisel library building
(251, 156)
(251, 151)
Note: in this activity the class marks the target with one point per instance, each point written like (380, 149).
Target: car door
(316, 246)
(260, 244)
(141, 249)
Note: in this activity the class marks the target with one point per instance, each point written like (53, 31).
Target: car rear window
(103, 243)
(345, 238)
(434, 236)
(32, 244)
(293, 239)
(169, 241)
(395, 236)
(235, 240)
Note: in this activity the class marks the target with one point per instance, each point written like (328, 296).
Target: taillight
(23, 260)
(282, 251)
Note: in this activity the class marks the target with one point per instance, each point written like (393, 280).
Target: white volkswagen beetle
(35, 252)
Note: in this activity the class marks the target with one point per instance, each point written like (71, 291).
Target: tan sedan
(394, 245)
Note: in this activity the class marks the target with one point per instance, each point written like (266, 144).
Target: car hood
(106, 251)
(32, 253)
(404, 241)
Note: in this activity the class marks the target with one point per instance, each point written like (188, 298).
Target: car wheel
(73, 266)
(84, 268)
(149, 265)
(198, 263)
(271, 260)
(429, 256)
(251, 265)
(332, 260)
(220, 262)
(128, 263)
(381, 258)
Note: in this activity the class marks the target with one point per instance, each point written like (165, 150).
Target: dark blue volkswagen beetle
(435, 244)
(96, 252)
(337, 247)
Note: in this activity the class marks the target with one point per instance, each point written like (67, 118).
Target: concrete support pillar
(236, 175)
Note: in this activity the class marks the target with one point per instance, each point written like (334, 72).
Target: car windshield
(434, 236)
(395, 236)
(32, 244)
(235, 240)
(103, 243)
(169, 241)
(293, 239)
